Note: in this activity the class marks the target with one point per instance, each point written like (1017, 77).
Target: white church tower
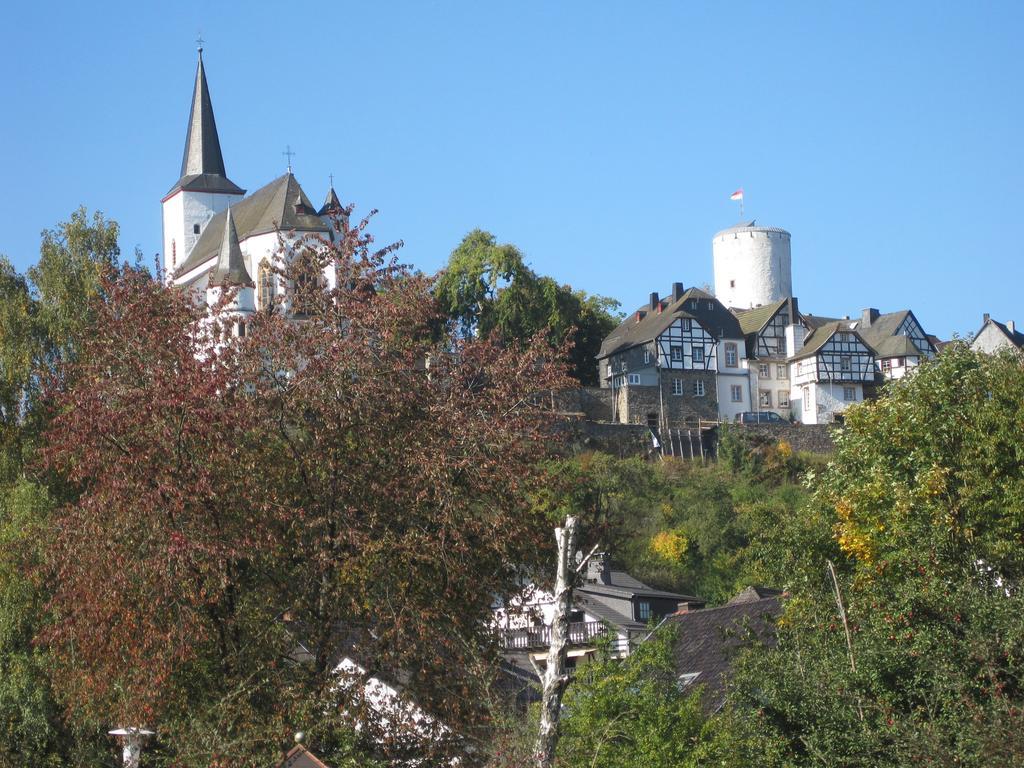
(204, 188)
(753, 265)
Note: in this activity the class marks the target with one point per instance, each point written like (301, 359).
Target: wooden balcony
(580, 633)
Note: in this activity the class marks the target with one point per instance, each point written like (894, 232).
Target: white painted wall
(181, 212)
(753, 266)
(990, 340)
(825, 398)
(727, 409)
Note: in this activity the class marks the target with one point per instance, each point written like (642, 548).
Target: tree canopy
(487, 289)
(923, 513)
(245, 512)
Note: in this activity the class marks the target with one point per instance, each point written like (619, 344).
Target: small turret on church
(230, 274)
(203, 189)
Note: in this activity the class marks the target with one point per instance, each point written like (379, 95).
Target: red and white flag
(737, 195)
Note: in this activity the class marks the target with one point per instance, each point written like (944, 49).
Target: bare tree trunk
(555, 677)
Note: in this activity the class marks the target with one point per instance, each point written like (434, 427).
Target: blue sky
(603, 138)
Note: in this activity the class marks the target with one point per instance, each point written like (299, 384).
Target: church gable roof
(202, 164)
(269, 209)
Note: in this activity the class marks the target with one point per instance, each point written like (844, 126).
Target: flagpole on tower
(738, 195)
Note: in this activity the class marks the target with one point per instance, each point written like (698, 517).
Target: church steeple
(230, 269)
(332, 205)
(202, 164)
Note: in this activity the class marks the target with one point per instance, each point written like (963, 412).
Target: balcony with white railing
(580, 633)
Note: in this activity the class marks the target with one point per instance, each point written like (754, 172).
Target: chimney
(599, 569)
(795, 334)
(677, 291)
(689, 606)
(640, 314)
(654, 301)
(1011, 326)
(985, 318)
(868, 316)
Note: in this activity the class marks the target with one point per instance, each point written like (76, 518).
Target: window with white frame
(643, 610)
(886, 366)
(736, 393)
(676, 353)
(807, 399)
(781, 371)
(634, 378)
(845, 364)
(647, 356)
(842, 336)
(698, 388)
(687, 324)
(677, 386)
(764, 370)
(849, 394)
(731, 356)
(764, 398)
(697, 354)
(783, 399)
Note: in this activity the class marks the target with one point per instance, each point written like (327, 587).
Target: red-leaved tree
(346, 481)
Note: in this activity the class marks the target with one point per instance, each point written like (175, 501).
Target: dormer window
(643, 610)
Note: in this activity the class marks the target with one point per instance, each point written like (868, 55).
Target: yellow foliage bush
(669, 545)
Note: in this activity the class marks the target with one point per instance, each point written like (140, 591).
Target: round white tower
(753, 265)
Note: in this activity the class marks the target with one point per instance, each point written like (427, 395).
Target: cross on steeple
(199, 42)
(331, 177)
(289, 154)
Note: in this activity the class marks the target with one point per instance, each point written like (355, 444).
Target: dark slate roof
(331, 203)
(718, 321)
(881, 335)
(1015, 337)
(709, 639)
(624, 585)
(202, 165)
(268, 209)
(230, 269)
(753, 320)
(816, 321)
(753, 593)
(300, 757)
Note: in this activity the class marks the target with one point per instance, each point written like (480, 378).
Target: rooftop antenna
(131, 740)
(289, 154)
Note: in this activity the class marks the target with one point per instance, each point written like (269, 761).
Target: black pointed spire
(202, 165)
(230, 269)
(331, 204)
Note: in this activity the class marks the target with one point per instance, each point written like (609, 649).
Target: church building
(215, 237)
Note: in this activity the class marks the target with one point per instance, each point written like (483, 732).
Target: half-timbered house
(829, 373)
(765, 330)
(676, 361)
(897, 339)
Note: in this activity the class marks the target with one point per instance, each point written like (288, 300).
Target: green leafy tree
(487, 289)
(630, 713)
(922, 512)
(43, 318)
